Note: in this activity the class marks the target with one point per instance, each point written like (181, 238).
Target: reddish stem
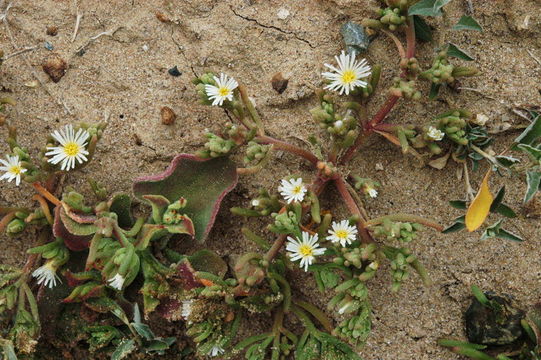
(410, 38)
(354, 209)
(282, 145)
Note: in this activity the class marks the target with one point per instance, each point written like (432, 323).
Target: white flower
(435, 134)
(116, 282)
(342, 232)
(255, 202)
(344, 308)
(305, 250)
(72, 147)
(46, 275)
(223, 89)
(338, 124)
(186, 308)
(348, 75)
(373, 193)
(13, 169)
(292, 190)
(215, 351)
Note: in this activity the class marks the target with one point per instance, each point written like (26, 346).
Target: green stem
(286, 289)
(92, 252)
(406, 218)
(354, 209)
(136, 227)
(317, 313)
(31, 302)
(251, 109)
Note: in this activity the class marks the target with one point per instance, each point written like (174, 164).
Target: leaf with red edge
(202, 182)
(76, 236)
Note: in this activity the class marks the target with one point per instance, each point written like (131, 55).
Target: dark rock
(52, 30)
(279, 83)
(55, 67)
(174, 71)
(355, 38)
(496, 325)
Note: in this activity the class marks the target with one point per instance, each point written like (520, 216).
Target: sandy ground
(125, 76)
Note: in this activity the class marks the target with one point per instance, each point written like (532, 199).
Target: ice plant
(342, 232)
(373, 193)
(348, 75)
(46, 275)
(13, 169)
(304, 250)
(71, 149)
(292, 190)
(435, 134)
(223, 90)
(215, 351)
(116, 282)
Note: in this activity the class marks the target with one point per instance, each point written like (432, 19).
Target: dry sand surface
(125, 75)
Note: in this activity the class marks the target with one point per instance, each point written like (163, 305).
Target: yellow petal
(480, 206)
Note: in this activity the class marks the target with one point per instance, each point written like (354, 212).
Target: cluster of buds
(122, 267)
(443, 72)
(326, 168)
(216, 146)
(256, 152)
(367, 186)
(405, 88)
(362, 257)
(401, 260)
(404, 232)
(200, 82)
(342, 127)
(172, 215)
(286, 222)
(352, 298)
(428, 137)
(454, 125)
(266, 204)
(411, 66)
(391, 17)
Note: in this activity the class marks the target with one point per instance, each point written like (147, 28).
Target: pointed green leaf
(434, 90)
(506, 235)
(506, 161)
(123, 349)
(467, 23)
(506, 211)
(203, 183)
(143, 330)
(423, 32)
(458, 225)
(458, 204)
(531, 133)
(455, 51)
(498, 199)
(532, 152)
(533, 179)
(428, 8)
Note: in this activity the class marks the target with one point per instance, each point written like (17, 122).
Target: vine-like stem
(354, 209)
(397, 42)
(251, 109)
(6, 219)
(45, 193)
(410, 38)
(406, 217)
(282, 145)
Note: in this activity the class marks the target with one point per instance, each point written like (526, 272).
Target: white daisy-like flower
(348, 75)
(373, 193)
(71, 149)
(435, 134)
(255, 202)
(46, 275)
(292, 190)
(186, 308)
(116, 282)
(13, 169)
(304, 250)
(215, 351)
(342, 232)
(223, 89)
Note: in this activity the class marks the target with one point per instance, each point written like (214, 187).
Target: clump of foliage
(92, 255)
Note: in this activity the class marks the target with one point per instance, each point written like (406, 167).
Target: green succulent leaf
(458, 225)
(428, 7)
(467, 23)
(456, 52)
(123, 349)
(203, 183)
(434, 90)
(533, 152)
(533, 179)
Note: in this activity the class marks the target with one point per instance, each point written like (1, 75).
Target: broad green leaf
(428, 8)
(498, 199)
(203, 183)
(531, 133)
(423, 32)
(507, 161)
(533, 179)
(506, 211)
(434, 90)
(532, 152)
(506, 235)
(123, 349)
(480, 206)
(467, 23)
(456, 226)
(458, 204)
(455, 51)
(143, 330)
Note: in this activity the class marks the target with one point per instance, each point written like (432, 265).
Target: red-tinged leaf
(203, 183)
(76, 236)
(185, 276)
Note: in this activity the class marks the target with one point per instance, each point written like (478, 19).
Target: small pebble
(379, 167)
(279, 83)
(283, 13)
(145, 48)
(354, 37)
(31, 84)
(168, 115)
(174, 71)
(52, 30)
(48, 46)
(55, 67)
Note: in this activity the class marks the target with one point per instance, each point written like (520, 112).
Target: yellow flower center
(297, 190)
(341, 234)
(348, 76)
(306, 250)
(71, 149)
(223, 91)
(15, 169)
